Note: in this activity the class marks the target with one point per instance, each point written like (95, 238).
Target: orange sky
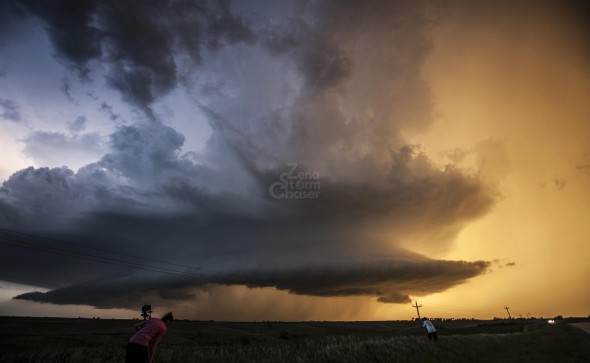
(514, 96)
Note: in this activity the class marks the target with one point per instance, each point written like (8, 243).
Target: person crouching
(142, 345)
(430, 329)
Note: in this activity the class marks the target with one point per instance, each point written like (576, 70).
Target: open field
(89, 340)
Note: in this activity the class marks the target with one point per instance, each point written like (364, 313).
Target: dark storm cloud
(66, 89)
(390, 280)
(108, 110)
(227, 27)
(144, 151)
(285, 37)
(358, 66)
(122, 292)
(140, 41)
(69, 25)
(8, 213)
(10, 16)
(25, 187)
(304, 247)
(9, 110)
(137, 152)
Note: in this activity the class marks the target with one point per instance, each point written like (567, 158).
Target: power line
(205, 272)
(104, 250)
(164, 271)
(135, 265)
(417, 308)
(85, 256)
(454, 308)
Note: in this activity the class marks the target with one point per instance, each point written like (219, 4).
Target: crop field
(98, 340)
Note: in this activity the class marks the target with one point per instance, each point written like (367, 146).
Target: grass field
(89, 340)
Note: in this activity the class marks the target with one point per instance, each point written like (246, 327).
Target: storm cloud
(390, 280)
(148, 201)
(10, 110)
(140, 42)
(146, 218)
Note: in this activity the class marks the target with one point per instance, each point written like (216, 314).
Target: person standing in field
(141, 348)
(430, 329)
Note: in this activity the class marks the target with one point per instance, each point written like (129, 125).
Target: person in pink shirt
(142, 345)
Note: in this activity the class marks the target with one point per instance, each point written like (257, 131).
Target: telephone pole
(417, 308)
(508, 311)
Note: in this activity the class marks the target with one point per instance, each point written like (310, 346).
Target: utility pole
(508, 311)
(417, 308)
